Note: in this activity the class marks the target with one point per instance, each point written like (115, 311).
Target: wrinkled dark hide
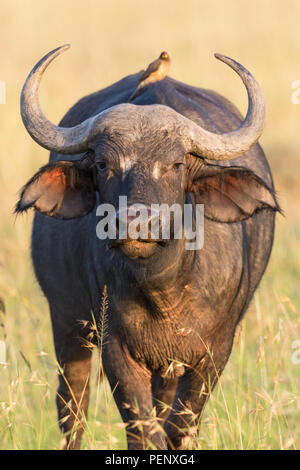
(171, 314)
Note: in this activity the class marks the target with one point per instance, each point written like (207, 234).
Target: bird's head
(164, 55)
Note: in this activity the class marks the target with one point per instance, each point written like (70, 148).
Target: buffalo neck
(160, 282)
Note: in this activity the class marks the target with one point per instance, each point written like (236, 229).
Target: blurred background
(257, 402)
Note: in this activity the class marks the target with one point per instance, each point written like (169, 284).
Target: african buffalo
(172, 313)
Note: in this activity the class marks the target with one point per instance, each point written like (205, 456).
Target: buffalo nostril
(137, 222)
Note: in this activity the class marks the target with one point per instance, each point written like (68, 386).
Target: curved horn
(231, 144)
(197, 140)
(59, 139)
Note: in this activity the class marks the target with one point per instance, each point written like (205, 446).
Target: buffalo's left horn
(59, 139)
(231, 144)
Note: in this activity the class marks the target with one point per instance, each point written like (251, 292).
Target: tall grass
(256, 405)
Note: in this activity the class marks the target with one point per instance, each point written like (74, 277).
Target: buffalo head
(151, 154)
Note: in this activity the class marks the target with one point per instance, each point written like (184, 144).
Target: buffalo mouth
(135, 249)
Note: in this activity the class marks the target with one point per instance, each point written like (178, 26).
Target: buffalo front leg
(163, 394)
(72, 396)
(194, 388)
(131, 386)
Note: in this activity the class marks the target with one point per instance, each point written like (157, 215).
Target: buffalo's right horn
(59, 139)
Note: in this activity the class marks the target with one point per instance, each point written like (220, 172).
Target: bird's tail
(135, 93)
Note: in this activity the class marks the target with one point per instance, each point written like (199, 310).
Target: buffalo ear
(232, 194)
(63, 190)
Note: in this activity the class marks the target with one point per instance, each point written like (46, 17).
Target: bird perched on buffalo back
(155, 72)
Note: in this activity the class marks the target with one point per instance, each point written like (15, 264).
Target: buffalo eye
(177, 166)
(101, 166)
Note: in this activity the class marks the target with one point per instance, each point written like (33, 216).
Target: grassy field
(256, 405)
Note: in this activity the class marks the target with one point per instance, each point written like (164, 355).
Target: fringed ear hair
(64, 190)
(230, 194)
